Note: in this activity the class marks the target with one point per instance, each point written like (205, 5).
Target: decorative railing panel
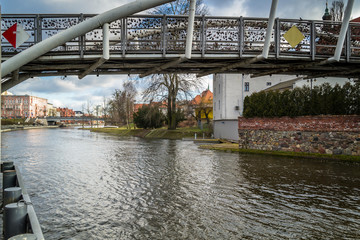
(165, 34)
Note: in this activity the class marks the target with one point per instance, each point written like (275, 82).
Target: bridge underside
(137, 64)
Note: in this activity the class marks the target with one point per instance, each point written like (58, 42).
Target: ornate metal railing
(153, 34)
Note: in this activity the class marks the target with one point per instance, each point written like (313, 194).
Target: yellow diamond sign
(294, 36)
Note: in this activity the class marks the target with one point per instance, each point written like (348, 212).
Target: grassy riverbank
(162, 133)
(233, 147)
(189, 133)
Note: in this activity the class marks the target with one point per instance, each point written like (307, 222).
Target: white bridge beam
(82, 28)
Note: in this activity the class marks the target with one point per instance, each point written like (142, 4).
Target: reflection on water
(94, 186)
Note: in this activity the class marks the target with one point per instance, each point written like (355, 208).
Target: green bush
(149, 117)
(321, 100)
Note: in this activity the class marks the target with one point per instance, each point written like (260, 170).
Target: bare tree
(337, 10)
(83, 113)
(106, 108)
(181, 7)
(171, 87)
(130, 94)
(89, 110)
(122, 104)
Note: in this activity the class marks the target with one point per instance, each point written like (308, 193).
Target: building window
(268, 84)
(219, 88)
(219, 104)
(215, 105)
(247, 86)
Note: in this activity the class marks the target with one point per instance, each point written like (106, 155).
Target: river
(87, 185)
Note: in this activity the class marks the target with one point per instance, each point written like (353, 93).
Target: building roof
(284, 85)
(356, 20)
(6, 93)
(205, 97)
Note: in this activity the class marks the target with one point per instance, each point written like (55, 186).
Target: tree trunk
(169, 111)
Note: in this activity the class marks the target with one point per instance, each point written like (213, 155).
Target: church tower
(326, 15)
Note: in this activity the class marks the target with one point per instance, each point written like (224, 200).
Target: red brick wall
(308, 123)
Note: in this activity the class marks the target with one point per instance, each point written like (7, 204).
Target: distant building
(79, 114)
(22, 106)
(203, 106)
(66, 112)
(50, 110)
(161, 105)
(327, 15)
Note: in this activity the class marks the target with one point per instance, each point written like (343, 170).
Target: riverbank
(212, 144)
(9, 128)
(234, 147)
(162, 133)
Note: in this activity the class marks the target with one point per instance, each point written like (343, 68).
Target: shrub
(322, 99)
(149, 117)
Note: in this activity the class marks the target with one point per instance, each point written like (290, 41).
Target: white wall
(229, 93)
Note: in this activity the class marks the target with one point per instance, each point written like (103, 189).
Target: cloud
(71, 92)
(228, 7)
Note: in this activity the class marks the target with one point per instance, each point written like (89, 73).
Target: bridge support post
(106, 52)
(190, 30)
(343, 31)
(270, 27)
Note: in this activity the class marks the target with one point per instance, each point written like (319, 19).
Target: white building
(229, 93)
(231, 89)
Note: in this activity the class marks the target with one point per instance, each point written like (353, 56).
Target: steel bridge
(148, 44)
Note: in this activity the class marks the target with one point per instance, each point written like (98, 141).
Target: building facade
(202, 105)
(22, 106)
(229, 92)
(66, 112)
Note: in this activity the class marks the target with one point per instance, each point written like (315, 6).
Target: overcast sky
(73, 93)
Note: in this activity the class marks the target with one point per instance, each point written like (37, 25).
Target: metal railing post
(348, 44)
(312, 40)
(277, 38)
(164, 29)
(81, 39)
(203, 36)
(123, 35)
(241, 39)
(38, 29)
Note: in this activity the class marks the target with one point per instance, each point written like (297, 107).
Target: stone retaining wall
(318, 134)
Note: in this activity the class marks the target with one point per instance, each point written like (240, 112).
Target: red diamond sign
(16, 35)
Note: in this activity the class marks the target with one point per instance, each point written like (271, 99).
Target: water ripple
(94, 186)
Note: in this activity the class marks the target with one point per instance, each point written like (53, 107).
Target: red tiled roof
(356, 20)
(206, 96)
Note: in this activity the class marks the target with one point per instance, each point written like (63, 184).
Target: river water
(95, 186)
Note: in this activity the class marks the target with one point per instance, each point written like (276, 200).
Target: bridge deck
(142, 42)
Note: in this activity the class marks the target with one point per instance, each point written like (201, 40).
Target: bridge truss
(145, 44)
